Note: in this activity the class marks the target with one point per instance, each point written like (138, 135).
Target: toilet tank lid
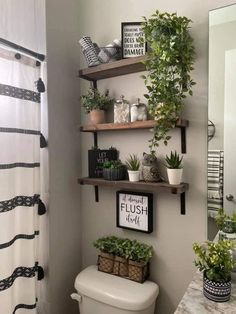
(116, 291)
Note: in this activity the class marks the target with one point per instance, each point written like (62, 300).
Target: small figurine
(150, 168)
(138, 112)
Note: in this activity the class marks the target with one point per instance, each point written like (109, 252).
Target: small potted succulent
(133, 166)
(215, 260)
(95, 104)
(174, 168)
(139, 256)
(122, 248)
(114, 170)
(106, 245)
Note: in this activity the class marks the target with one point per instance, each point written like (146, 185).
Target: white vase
(134, 176)
(174, 175)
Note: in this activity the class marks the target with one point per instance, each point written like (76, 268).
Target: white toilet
(103, 293)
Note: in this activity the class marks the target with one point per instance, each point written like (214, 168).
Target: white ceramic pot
(134, 176)
(174, 175)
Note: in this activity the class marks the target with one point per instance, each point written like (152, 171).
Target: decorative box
(96, 158)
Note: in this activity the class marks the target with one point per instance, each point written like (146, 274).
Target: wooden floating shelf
(181, 123)
(140, 185)
(112, 69)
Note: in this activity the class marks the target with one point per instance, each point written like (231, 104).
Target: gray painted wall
(172, 266)
(64, 152)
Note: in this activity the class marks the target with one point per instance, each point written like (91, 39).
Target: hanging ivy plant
(170, 59)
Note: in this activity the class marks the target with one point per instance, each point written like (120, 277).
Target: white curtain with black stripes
(20, 203)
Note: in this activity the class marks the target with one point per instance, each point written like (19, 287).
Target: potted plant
(215, 260)
(139, 256)
(95, 103)
(113, 170)
(106, 245)
(226, 224)
(170, 59)
(133, 165)
(122, 248)
(174, 167)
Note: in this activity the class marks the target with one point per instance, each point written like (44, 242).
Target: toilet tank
(102, 293)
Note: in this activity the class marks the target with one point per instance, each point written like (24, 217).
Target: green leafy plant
(174, 161)
(225, 222)
(215, 259)
(169, 61)
(133, 163)
(140, 252)
(122, 247)
(113, 164)
(95, 100)
(106, 244)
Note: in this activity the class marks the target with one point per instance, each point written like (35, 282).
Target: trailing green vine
(170, 59)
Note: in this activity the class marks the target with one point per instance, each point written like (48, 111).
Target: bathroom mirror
(221, 114)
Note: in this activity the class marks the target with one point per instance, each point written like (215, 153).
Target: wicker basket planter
(216, 291)
(106, 262)
(120, 267)
(138, 271)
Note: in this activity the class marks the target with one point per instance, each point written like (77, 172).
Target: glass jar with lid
(121, 110)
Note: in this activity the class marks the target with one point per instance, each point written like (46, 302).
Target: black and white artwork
(131, 32)
(134, 211)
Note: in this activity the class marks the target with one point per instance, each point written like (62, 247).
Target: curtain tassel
(43, 142)
(40, 272)
(40, 86)
(41, 208)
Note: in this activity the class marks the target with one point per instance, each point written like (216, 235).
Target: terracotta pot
(106, 262)
(216, 291)
(97, 116)
(120, 266)
(138, 271)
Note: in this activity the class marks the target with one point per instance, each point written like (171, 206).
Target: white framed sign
(134, 211)
(130, 34)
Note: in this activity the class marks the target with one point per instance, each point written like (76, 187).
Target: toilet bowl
(102, 293)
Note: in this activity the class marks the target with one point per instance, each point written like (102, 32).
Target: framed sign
(134, 211)
(130, 34)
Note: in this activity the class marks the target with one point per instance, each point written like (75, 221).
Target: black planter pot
(216, 291)
(114, 174)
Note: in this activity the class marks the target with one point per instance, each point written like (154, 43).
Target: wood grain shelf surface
(112, 69)
(141, 185)
(181, 123)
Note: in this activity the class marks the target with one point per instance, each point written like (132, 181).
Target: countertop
(194, 302)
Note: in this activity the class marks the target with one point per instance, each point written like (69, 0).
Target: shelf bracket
(96, 194)
(95, 139)
(183, 140)
(182, 204)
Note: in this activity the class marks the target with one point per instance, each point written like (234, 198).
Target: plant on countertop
(94, 100)
(133, 162)
(215, 259)
(174, 161)
(225, 222)
(169, 61)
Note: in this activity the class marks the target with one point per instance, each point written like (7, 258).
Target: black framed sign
(130, 34)
(134, 210)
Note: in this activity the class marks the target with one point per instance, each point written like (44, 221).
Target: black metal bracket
(183, 140)
(96, 194)
(182, 204)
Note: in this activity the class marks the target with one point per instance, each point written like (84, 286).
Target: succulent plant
(174, 161)
(133, 163)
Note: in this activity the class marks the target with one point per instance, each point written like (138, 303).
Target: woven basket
(138, 271)
(105, 262)
(120, 267)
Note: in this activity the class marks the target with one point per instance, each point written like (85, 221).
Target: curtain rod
(34, 54)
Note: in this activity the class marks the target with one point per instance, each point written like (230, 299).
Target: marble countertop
(194, 302)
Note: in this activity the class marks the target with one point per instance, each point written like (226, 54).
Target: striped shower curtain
(20, 200)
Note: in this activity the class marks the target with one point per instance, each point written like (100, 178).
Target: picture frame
(134, 211)
(130, 32)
